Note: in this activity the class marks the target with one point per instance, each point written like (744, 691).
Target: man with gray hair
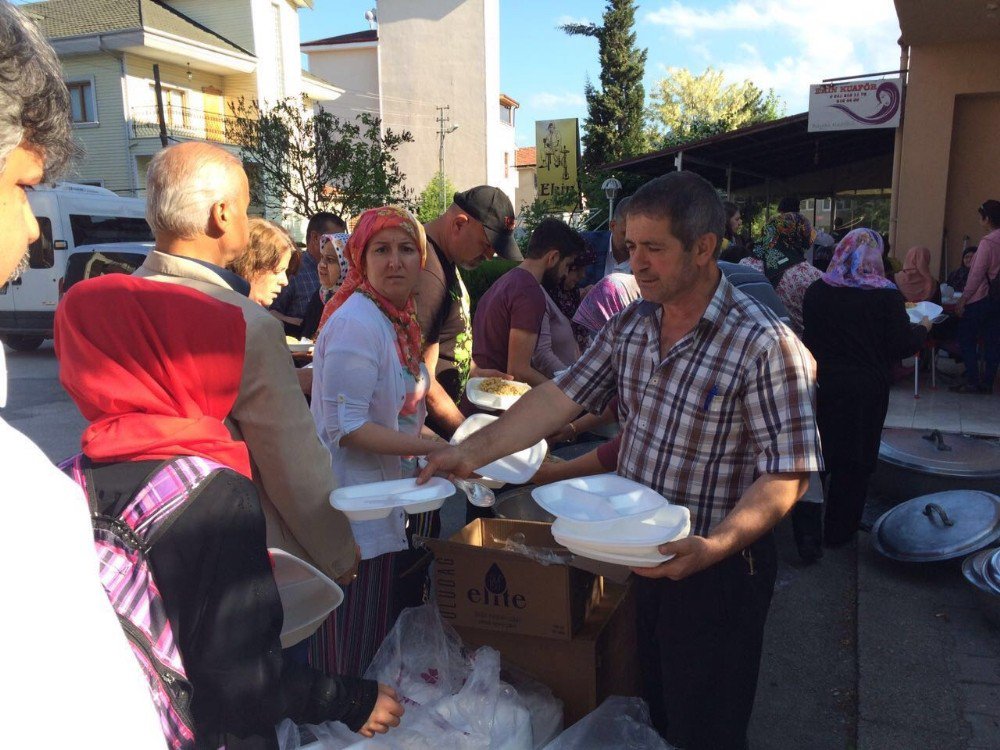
(617, 258)
(716, 400)
(197, 196)
(65, 624)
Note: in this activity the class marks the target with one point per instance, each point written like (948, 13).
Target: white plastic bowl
(603, 497)
(486, 400)
(307, 596)
(368, 502)
(924, 309)
(631, 559)
(517, 468)
(629, 535)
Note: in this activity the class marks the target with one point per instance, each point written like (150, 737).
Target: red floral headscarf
(404, 320)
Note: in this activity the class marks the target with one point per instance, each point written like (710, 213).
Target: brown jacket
(291, 468)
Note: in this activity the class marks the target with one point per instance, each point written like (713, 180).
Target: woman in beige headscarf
(915, 280)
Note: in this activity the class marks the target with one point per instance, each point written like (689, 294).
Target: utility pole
(442, 120)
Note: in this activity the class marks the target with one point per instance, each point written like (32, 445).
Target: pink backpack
(123, 544)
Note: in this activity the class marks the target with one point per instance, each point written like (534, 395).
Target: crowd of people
(732, 379)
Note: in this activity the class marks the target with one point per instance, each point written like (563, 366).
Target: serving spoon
(479, 495)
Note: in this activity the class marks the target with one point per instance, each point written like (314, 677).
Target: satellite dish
(370, 18)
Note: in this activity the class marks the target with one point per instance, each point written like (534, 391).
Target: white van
(69, 216)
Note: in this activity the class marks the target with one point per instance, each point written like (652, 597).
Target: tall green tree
(686, 106)
(613, 129)
(311, 162)
(435, 197)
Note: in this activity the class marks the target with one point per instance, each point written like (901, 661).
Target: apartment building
(419, 57)
(209, 54)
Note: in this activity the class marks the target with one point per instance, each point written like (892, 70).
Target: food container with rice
(495, 393)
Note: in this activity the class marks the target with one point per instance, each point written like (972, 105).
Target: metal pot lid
(972, 569)
(942, 453)
(938, 526)
(991, 569)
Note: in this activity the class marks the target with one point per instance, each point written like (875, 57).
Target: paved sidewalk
(863, 653)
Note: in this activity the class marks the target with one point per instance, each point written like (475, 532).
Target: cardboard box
(479, 584)
(600, 661)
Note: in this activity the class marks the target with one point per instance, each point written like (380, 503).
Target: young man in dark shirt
(509, 316)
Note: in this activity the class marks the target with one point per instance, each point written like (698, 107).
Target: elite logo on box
(494, 592)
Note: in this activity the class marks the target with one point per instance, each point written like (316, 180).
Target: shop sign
(855, 105)
(557, 154)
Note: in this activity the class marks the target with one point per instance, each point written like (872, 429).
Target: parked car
(70, 218)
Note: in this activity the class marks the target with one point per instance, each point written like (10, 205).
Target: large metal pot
(918, 462)
(975, 570)
(516, 504)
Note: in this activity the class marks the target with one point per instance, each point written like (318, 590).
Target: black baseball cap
(491, 207)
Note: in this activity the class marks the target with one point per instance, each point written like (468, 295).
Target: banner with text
(855, 105)
(557, 153)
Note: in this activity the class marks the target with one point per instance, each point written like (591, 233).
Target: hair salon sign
(855, 105)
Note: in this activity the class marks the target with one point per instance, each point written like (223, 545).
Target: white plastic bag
(422, 658)
(618, 722)
(452, 701)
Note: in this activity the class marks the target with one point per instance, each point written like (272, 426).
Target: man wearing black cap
(479, 223)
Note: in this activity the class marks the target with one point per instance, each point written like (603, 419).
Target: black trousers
(850, 412)
(700, 643)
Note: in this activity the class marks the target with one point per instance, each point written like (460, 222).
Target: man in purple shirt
(509, 316)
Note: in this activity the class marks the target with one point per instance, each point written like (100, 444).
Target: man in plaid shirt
(716, 405)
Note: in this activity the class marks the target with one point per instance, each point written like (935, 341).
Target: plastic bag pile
(458, 701)
(453, 701)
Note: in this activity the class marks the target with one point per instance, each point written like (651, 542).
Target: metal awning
(780, 155)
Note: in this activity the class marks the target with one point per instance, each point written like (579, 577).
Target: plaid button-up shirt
(302, 285)
(731, 400)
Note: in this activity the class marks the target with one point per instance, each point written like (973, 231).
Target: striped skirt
(348, 640)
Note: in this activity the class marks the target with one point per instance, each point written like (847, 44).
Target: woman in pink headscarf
(856, 327)
(914, 280)
(368, 402)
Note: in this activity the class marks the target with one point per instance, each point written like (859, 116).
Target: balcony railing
(182, 122)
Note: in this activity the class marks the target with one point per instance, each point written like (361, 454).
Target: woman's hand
(386, 714)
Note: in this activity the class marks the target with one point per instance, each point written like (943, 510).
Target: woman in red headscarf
(155, 369)
(368, 401)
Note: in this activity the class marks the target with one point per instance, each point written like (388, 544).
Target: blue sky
(784, 44)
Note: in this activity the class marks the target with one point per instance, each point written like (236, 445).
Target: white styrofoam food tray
(517, 468)
(367, 502)
(924, 309)
(629, 535)
(602, 497)
(307, 596)
(487, 400)
(617, 558)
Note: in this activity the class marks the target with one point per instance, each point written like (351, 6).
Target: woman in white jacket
(368, 402)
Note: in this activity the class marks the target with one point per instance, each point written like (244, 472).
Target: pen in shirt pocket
(712, 393)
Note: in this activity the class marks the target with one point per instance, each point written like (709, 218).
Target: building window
(507, 114)
(808, 204)
(175, 111)
(81, 101)
(825, 205)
